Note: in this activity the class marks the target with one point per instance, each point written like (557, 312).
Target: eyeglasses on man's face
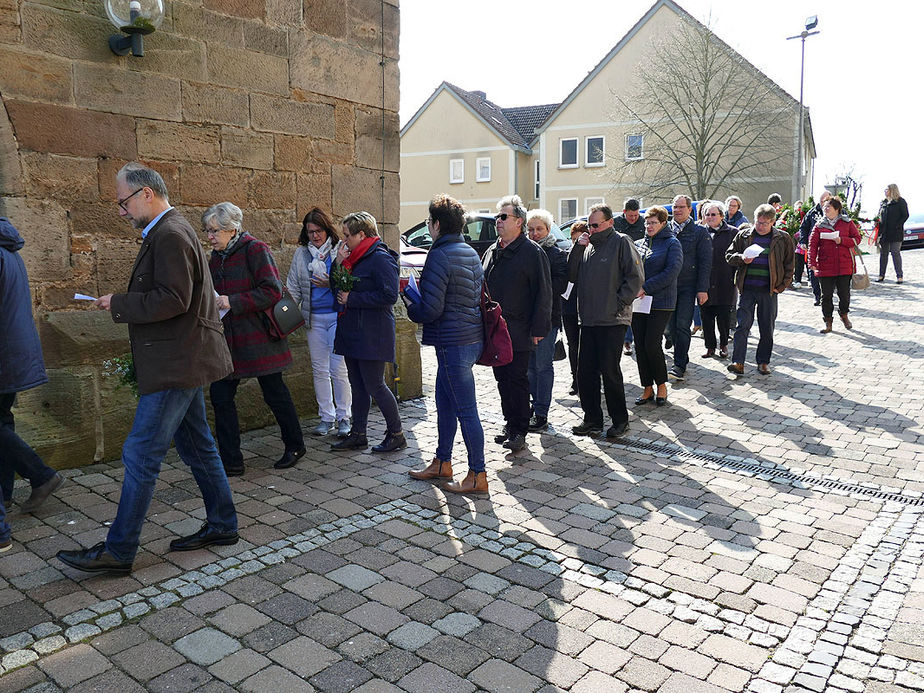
(122, 202)
(503, 216)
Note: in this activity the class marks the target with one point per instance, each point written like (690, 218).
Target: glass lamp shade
(120, 12)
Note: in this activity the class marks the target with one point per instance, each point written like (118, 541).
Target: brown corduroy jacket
(176, 336)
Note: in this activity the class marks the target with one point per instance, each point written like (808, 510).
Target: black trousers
(367, 383)
(513, 387)
(228, 429)
(841, 284)
(598, 356)
(573, 335)
(713, 316)
(647, 328)
(800, 267)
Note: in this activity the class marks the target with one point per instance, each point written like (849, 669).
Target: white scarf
(318, 265)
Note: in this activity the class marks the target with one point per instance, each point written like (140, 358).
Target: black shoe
(617, 430)
(234, 471)
(644, 400)
(392, 442)
(676, 372)
(204, 537)
(95, 560)
(573, 390)
(354, 441)
(817, 301)
(502, 436)
(516, 442)
(289, 458)
(660, 401)
(40, 494)
(587, 429)
(538, 423)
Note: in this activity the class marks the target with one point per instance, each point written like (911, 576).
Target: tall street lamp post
(810, 24)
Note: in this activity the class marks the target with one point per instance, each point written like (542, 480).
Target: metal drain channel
(776, 474)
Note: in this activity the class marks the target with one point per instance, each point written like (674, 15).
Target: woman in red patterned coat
(247, 282)
(830, 256)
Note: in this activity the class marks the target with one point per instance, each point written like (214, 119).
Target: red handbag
(498, 348)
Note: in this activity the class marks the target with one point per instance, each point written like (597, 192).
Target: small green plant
(341, 278)
(122, 367)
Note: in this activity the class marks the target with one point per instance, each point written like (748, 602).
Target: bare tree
(711, 121)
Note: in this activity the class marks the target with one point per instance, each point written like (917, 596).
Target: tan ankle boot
(437, 469)
(473, 483)
(828, 326)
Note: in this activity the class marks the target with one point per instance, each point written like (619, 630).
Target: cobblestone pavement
(760, 534)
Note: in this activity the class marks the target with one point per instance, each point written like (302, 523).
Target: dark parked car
(914, 232)
(480, 232)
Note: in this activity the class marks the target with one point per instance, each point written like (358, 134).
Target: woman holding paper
(309, 285)
(831, 250)
(448, 303)
(663, 257)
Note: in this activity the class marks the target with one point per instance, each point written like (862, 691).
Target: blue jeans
(4, 526)
(177, 415)
(542, 373)
(455, 401)
(16, 457)
(680, 325)
(765, 303)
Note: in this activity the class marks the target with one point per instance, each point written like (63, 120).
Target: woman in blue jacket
(663, 257)
(449, 307)
(366, 329)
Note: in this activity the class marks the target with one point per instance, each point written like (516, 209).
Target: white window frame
(587, 161)
(536, 178)
(577, 153)
(461, 177)
(562, 218)
(642, 155)
(590, 202)
(478, 162)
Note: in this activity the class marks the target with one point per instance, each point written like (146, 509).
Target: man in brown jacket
(764, 259)
(177, 347)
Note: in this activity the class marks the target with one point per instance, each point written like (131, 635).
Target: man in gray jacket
(608, 274)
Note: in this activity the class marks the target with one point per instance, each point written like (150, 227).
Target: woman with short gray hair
(247, 281)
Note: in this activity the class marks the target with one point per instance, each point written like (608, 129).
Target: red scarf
(357, 253)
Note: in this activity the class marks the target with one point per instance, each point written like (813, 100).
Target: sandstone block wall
(275, 105)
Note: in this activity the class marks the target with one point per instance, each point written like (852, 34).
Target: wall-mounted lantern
(134, 18)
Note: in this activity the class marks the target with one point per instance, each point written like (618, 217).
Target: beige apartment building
(568, 156)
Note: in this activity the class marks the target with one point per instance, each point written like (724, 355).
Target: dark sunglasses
(594, 226)
(503, 216)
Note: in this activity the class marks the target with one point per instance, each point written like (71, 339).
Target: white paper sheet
(412, 291)
(753, 251)
(221, 313)
(642, 305)
(567, 292)
(829, 235)
(83, 297)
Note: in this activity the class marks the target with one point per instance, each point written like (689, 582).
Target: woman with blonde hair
(893, 213)
(733, 214)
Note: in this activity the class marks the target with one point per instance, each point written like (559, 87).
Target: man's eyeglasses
(594, 226)
(122, 202)
(503, 216)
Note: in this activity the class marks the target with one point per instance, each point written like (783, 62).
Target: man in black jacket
(517, 273)
(630, 221)
(541, 362)
(608, 274)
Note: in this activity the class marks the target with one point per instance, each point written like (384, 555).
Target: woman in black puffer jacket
(449, 306)
(893, 213)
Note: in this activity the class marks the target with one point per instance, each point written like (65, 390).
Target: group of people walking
(195, 321)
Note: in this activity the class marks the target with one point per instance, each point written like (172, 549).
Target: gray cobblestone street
(760, 534)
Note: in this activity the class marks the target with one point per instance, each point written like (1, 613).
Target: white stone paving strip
(837, 643)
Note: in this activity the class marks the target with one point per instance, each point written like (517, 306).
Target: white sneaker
(323, 428)
(343, 428)
(797, 285)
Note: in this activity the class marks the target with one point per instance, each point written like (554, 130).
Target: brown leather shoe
(437, 469)
(828, 327)
(474, 483)
(736, 368)
(709, 354)
(723, 352)
(764, 368)
(846, 321)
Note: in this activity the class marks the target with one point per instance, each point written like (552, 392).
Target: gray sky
(862, 73)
